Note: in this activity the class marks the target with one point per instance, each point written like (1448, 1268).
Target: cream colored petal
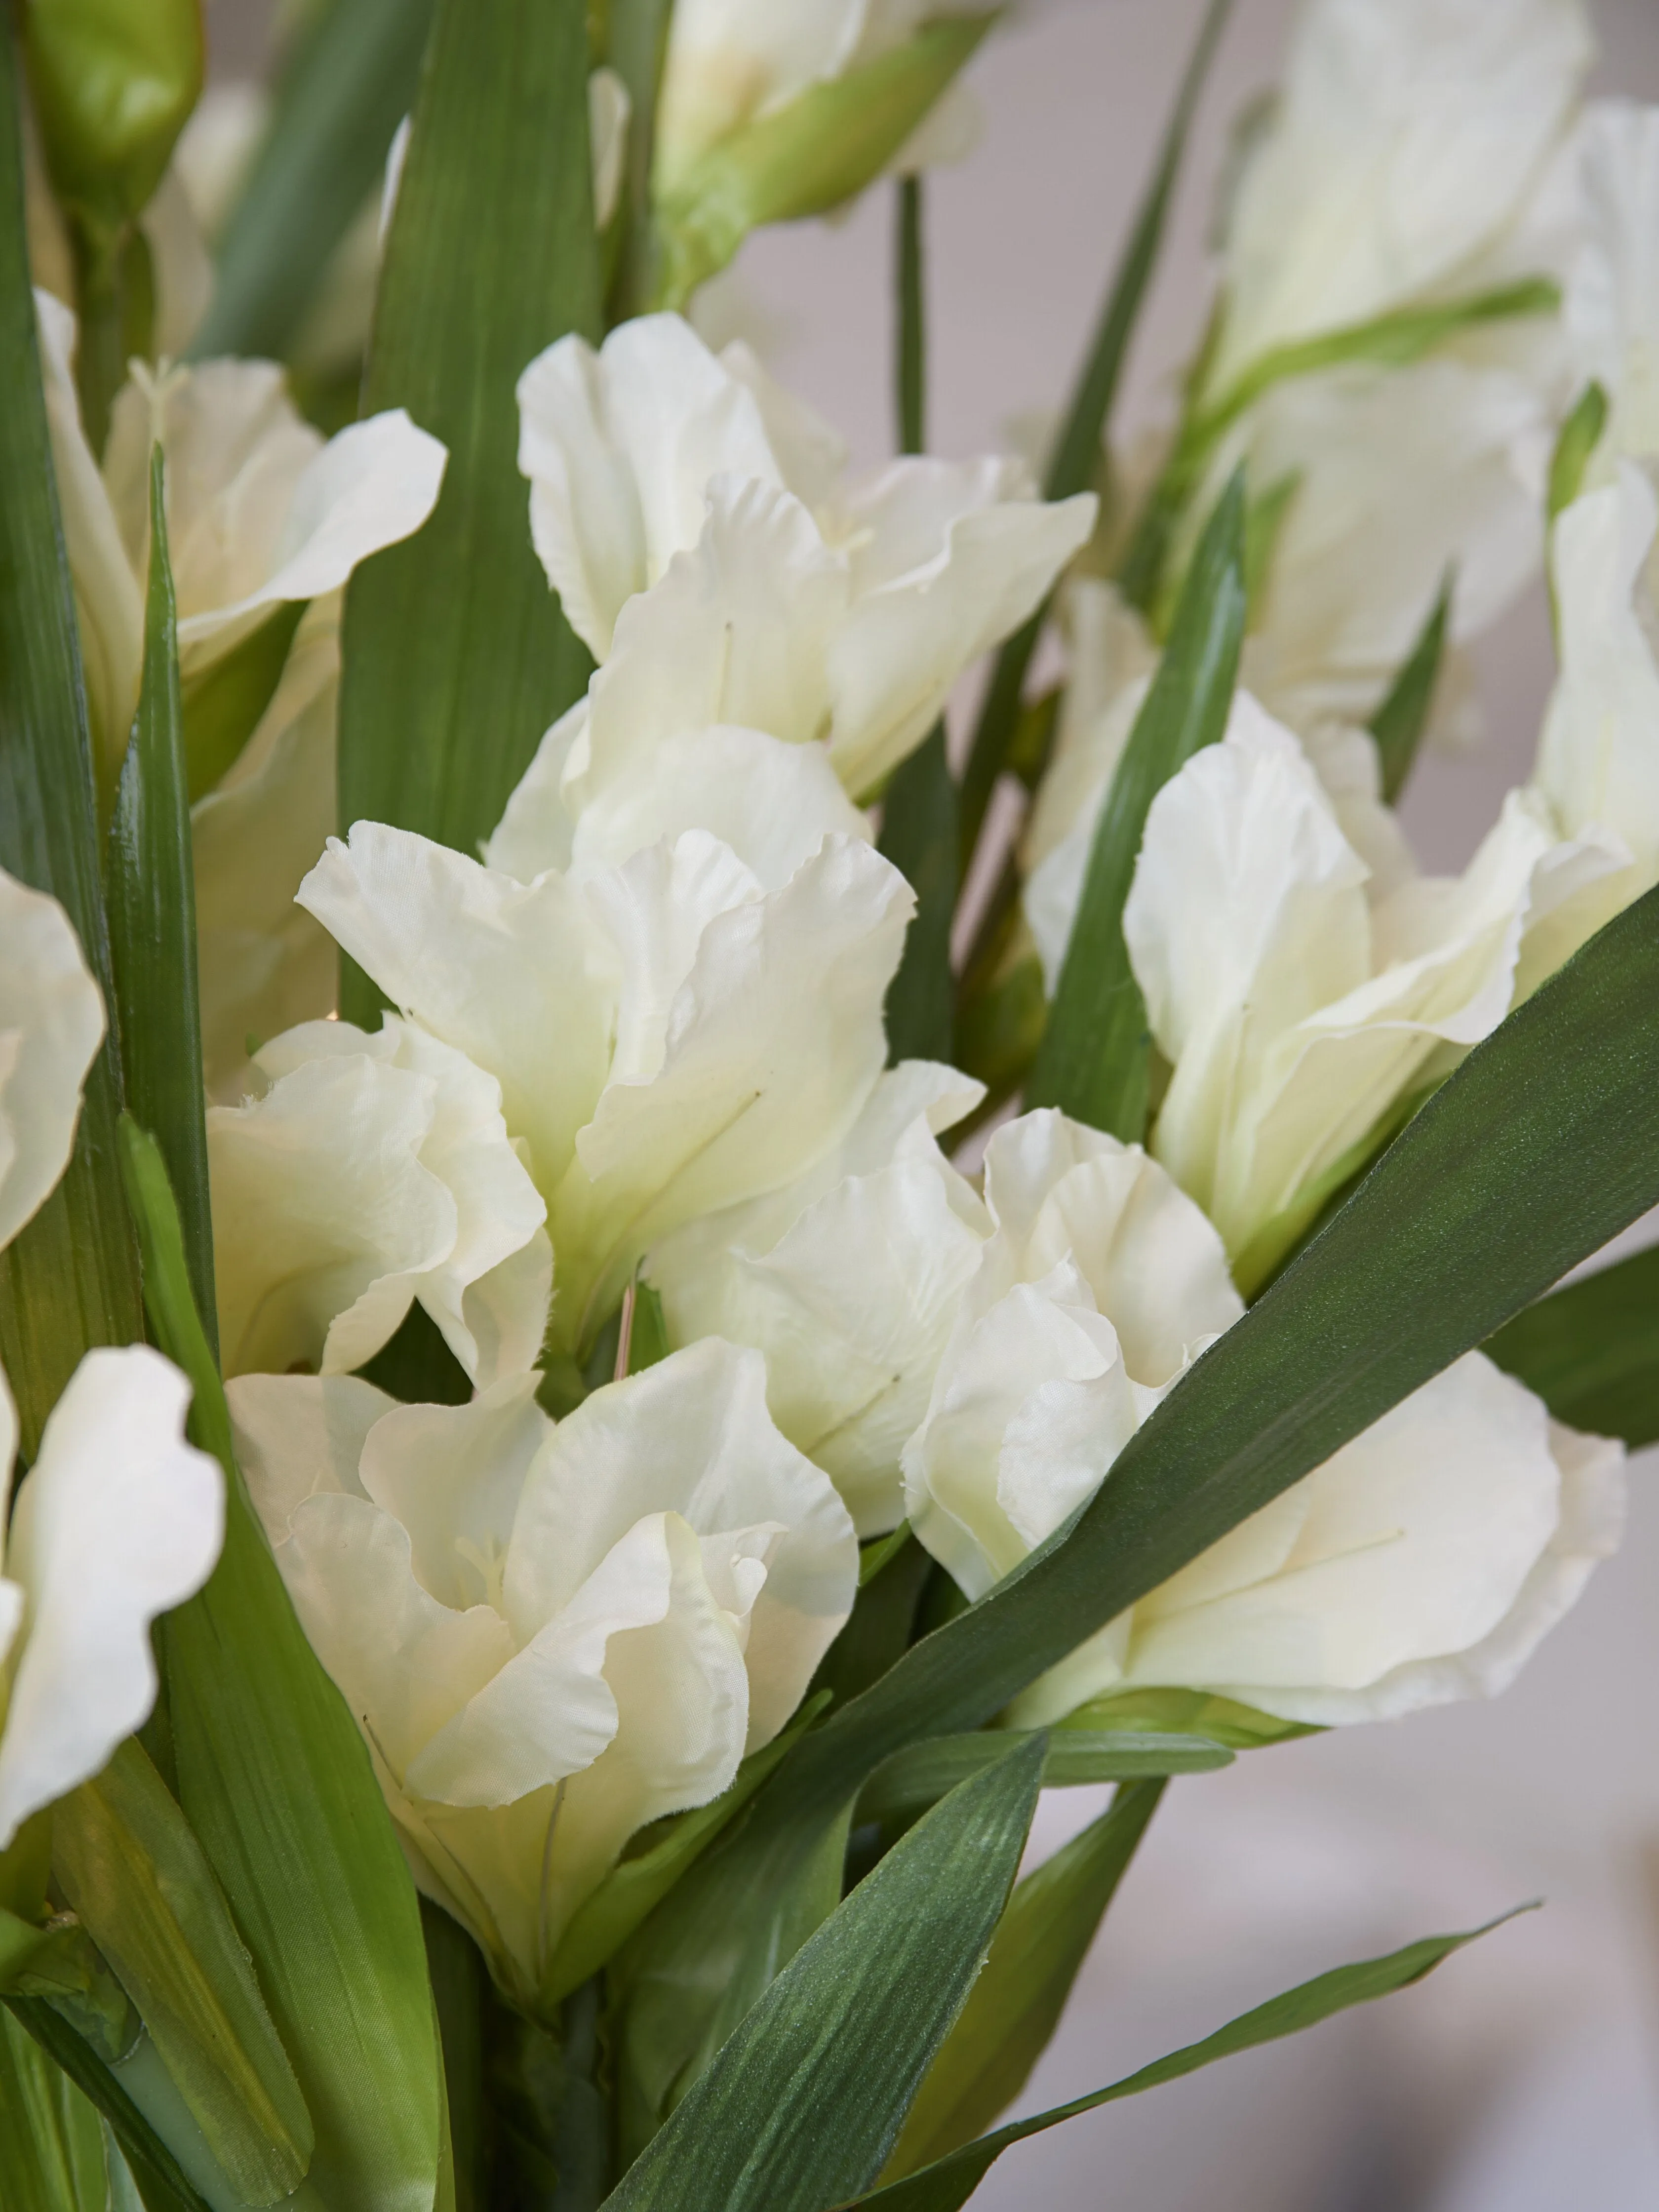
(1408, 138)
(691, 1438)
(453, 1475)
(619, 447)
(263, 963)
(1598, 761)
(301, 1436)
(1612, 304)
(1040, 1362)
(729, 60)
(323, 1213)
(535, 830)
(1419, 1542)
(119, 1520)
(405, 1664)
(771, 803)
(852, 1308)
(772, 1045)
(374, 484)
(914, 627)
(683, 1699)
(812, 452)
(51, 1023)
(235, 445)
(107, 597)
(608, 107)
(736, 630)
(1153, 1263)
(549, 1710)
(512, 975)
(1401, 476)
(1247, 912)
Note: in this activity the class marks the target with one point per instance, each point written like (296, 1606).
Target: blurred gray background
(1525, 2077)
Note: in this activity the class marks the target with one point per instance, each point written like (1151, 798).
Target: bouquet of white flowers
(590, 1413)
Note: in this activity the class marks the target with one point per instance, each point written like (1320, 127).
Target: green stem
(911, 353)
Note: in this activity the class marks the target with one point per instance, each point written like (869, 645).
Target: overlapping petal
(51, 1023)
(118, 1520)
(374, 1171)
(551, 1636)
(847, 1281)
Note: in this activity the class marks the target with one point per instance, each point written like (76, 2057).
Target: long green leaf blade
(456, 655)
(1015, 2006)
(1078, 450)
(1591, 1350)
(136, 1878)
(948, 2184)
(1095, 1057)
(50, 2136)
(919, 830)
(152, 922)
(351, 80)
(793, 2115)
(1076, 1759)
(70, 1278)
(1400, 722)
(275, 1780)
(163, 2182)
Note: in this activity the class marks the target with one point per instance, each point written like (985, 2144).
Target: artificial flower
(119, 1518)
(1405, 148)
(1423, 1562)
(372, 1173)
(1100, 1283)
(671, 1033)
(798, 605)
(847, 1281)
(1298, 999)
(550, 1636)
(260, 511)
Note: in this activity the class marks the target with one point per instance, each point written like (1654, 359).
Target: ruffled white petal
(51, 1023)
(374, 1171)
(119, 1520)
(550, 1636)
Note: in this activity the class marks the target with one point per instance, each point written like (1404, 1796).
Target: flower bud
(114, 85)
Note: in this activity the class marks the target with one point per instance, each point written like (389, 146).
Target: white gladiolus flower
(373, 1172)
(1613, 292)
(731, 63)
(263, 963)
(260, 511)
(51, 1023)
(1399, 477)
(1425, 1561)
(795, 604)
(1408, 141)
(673, 1035)
(1298, 999)
(847, 1281)
(1101, 1282)
(550, 1636)
(119, 1520)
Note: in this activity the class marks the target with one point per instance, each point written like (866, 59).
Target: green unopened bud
(114, 84)
(813, 154)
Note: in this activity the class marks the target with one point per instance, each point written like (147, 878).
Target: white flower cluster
(638, 1044)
